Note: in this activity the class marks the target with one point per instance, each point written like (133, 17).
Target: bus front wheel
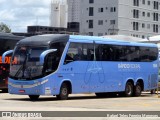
(64, 92)
(153, 91)
(33, 97)
(129, 89)
(5, 90)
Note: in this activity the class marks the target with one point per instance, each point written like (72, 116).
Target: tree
(4, 28)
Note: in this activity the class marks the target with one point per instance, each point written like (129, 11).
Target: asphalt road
(80, 102)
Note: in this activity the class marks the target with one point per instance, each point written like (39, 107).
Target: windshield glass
(25, 62)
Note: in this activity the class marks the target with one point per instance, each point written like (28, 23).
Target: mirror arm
(43, 54)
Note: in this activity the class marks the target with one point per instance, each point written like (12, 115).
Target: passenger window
(79, 52)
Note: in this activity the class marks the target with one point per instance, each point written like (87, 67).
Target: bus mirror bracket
(5, 54)
(43, 55)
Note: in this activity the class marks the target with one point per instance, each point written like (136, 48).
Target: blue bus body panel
(88, 77)
(91, 76)
(45, 86)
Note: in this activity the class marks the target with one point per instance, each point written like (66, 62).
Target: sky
(18, 14)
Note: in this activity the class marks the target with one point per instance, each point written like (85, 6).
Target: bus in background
(7, 42)
(68, 64)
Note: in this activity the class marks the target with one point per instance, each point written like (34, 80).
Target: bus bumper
(35, 87)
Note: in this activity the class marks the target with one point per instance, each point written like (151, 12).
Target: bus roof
(9, 36)
(41, 40)
(80, 38)
(44, 40)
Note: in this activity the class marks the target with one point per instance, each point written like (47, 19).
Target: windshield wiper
(21, 68)
(17, 73)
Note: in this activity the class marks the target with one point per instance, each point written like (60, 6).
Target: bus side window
(70, 53)
(79, 52)
(69, 58)
(51, 64)
(107, 53)
(79, 55)
(90, 55)
(90, 52)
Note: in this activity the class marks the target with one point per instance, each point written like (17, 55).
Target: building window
(155, 28)
(155, 5)
(91, 1)
(91, 13)
(90, 24)
(113, 9)
(135, 26)
(136, 2)
(155, 16)
(143, 14)
(143, 1)
(100, 34)
(148, 26)
(100, 22)
(112, 22)
(135, 13)
(148, 14)
(100, 9)
(143, 25)
(90, 33)
(149, 2)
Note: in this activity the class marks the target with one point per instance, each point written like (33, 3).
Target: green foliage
(4, 28)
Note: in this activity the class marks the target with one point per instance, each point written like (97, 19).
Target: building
(138, 18)
(39, 30)
(59, 14)
(45, 30)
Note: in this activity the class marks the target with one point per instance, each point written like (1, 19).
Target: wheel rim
(138, 89)
(64, 91)
(129, 90)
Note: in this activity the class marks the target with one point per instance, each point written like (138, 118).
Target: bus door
(75, 66)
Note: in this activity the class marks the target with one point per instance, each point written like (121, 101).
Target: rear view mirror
(43, 55)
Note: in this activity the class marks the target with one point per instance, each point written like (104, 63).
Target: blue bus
(59, 64)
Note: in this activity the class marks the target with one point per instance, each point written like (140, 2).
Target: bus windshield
(25, 62)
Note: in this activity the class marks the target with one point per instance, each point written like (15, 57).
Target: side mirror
(5, 54)
(43, 55)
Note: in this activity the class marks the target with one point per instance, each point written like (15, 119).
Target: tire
(137, 90)
(129, 89)
(64, 92)
(5, 90)
(153, 91)
(33, 97)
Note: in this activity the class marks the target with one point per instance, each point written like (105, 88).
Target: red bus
(7, 42)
